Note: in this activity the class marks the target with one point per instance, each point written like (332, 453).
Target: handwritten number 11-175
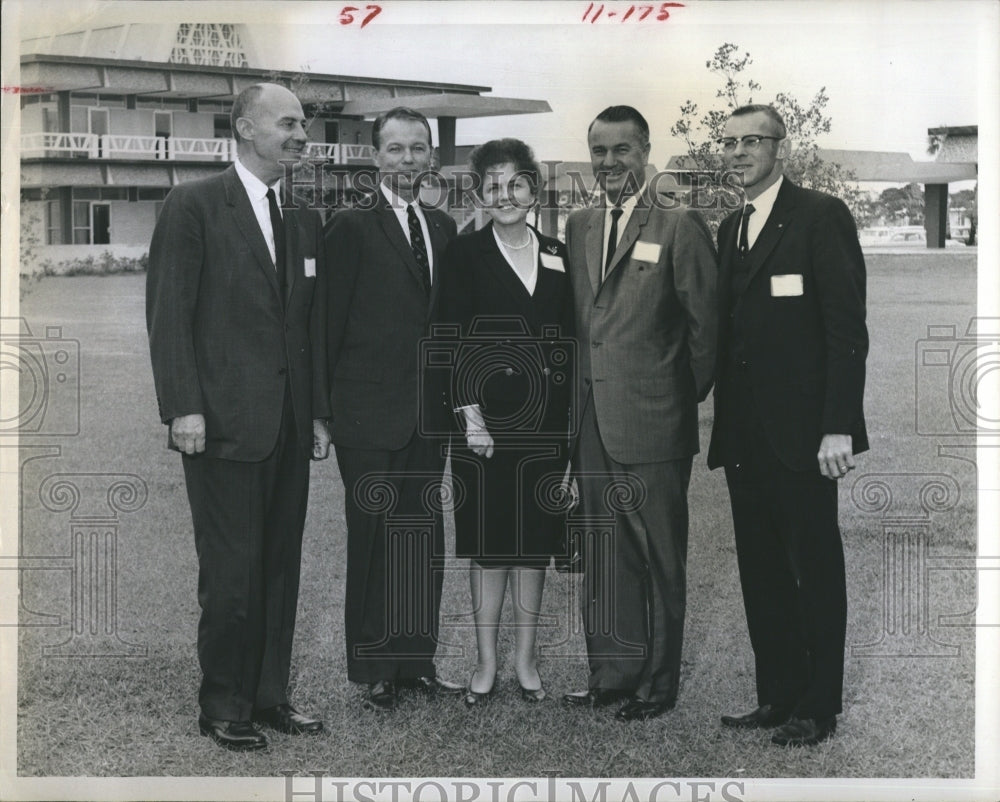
(347, 14)
(594, 13)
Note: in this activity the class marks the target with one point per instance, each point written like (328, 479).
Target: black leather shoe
(596, 697)
(534, 696)
(640, 710)
(285, 718)
(763, 717)
(431, 686)
(804, 731)
(381, 696)
(239, 736)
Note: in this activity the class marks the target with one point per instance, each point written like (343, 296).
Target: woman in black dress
(506, 295)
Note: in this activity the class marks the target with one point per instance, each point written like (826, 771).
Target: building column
(446, 140)
(935, 214)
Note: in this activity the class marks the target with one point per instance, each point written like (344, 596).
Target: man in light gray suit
(643, 274)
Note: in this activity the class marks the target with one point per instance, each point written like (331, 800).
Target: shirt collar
(255, 188)
(629, 203)
(764, 202)
(396, 202)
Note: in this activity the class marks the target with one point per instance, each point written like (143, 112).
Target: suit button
(586, 381)
(282, 371)
(509, 371)
(596, 344)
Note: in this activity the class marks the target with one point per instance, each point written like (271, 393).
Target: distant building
(116, 116)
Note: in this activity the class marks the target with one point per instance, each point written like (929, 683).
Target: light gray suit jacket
(647, 335)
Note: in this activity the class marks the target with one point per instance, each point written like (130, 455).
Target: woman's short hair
(506, 151)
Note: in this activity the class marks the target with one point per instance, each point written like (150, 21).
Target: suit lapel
(246, 221)
(773, 230)
(394, 233)
(636, 221)
(594, 247)
(438, 243)
(292, 251)
(498, 266)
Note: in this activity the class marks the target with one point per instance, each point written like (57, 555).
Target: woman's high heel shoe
(475, 698)
(534, 696)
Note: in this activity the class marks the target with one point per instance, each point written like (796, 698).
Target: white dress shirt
(399, 206)
(257, 192)
(762, 206)
(627, 208)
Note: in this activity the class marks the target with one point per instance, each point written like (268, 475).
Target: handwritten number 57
(347, 14)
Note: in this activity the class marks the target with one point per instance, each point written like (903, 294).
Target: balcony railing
(162, 148)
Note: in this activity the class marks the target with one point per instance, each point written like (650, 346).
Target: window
(223, 126)
(53, 223)
(81, 222)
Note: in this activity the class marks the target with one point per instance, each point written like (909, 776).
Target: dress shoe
(537, 695)
(640, 710)
(804, 731)
(431, 686)
(596, 697)
(763, 717)
(381, 696)
(239, 736)
(477, 699)
(285, 718)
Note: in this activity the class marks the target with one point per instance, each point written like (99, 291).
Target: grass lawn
(908, 709)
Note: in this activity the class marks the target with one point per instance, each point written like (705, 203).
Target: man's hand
(321, 439)
(835, 456)
(188, 433)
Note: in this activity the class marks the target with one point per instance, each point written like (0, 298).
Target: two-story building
(113, 117)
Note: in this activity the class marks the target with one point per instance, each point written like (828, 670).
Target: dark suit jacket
(647, 334)
(515, 354)
(379, 313)
(805, 353)
(222, 341)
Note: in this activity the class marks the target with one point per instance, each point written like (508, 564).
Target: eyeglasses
(750, 141)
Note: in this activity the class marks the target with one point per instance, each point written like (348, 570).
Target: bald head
(269, 128)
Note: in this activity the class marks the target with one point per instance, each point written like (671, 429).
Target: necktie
(744, 243)
(278, 230)
(419, 247)
(612, 240)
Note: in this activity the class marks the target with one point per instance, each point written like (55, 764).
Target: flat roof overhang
(448, 104)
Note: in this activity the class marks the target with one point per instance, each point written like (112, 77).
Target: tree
(901, 206)
(804, 122)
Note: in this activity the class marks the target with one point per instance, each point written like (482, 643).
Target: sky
(891, 69)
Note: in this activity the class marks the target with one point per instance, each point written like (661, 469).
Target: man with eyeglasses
(788, 419)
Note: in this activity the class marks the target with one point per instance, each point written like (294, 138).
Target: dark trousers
(395, 559)
(791, 563)
(248, 519)
(635, 561)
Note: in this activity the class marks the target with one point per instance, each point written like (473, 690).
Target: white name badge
(310, 267)
(552, 262)
(646, 252)
(786, 286)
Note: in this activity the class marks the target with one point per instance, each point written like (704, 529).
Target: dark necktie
(744, 243)
(419, 247)
(612, 240)
(278, 230)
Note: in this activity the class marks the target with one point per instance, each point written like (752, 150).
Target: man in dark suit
(788, 420)
(643, 275)
(236, 314)
(383, 259)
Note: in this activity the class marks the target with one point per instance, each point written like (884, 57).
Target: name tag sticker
(310, 267)
(646, 252)
(552, 262)
(786, 286)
